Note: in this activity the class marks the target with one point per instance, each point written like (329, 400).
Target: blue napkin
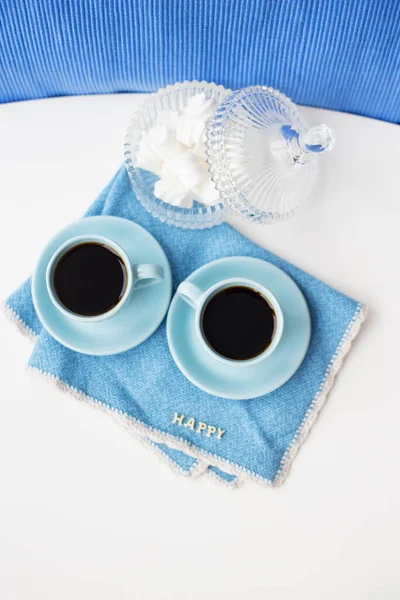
(144, 389)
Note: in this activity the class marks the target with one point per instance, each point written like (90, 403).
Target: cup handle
(190, 293)
(145, 275)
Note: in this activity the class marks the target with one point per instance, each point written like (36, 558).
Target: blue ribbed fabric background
(339, 54)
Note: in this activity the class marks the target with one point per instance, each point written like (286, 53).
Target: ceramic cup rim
(70, 243)
(270, 298)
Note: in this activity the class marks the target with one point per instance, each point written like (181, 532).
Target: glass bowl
(173, 97)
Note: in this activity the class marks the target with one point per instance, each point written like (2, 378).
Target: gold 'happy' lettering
(178, 418)
(220, 433)
(211, 430)
(200, 427)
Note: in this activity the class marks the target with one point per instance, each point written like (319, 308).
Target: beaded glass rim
(199, 217)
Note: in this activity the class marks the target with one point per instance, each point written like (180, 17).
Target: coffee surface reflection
(238, 323)
(90, 279)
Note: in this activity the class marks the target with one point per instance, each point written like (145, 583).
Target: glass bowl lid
(262, 158)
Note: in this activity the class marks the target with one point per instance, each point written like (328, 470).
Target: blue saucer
(230, 381)
(138, 318)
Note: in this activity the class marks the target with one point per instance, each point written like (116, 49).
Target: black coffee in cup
(90, 279)
(238, 323)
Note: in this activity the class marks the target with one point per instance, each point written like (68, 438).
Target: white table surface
(87, 513)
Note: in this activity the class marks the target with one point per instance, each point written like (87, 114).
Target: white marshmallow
(158, 135)
(147, 159)
(170, 190)
(169, 118)
(163, 143)
(168, 170)
(199, 106)
(174, 149)
(189, 130)
(200, 149)
(208, 193)
(188, 169)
